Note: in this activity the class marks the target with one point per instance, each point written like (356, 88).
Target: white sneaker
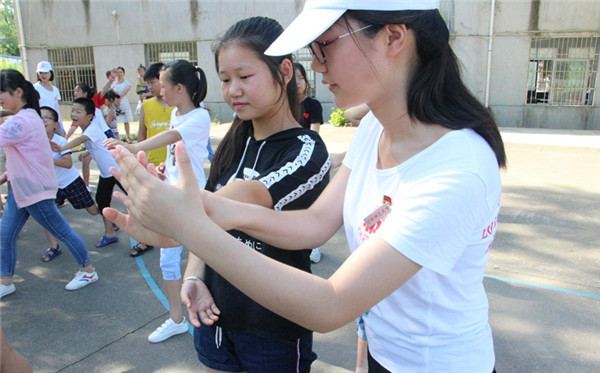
(168, 329)
(7, 289)
(82, 279)
(315, 255)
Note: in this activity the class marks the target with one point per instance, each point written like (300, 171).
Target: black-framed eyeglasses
(316, 47)
(47, 119)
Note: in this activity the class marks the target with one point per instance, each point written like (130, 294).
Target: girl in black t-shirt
(311, 110)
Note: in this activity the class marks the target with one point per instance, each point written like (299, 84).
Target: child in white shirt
(92, 138)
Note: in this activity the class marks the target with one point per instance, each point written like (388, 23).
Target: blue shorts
(76, 193)
(237, 351)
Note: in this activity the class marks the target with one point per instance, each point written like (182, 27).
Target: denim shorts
(360, 330)
(237, 351)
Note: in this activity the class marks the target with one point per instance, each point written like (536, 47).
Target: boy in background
(70, 185)
(92, 138)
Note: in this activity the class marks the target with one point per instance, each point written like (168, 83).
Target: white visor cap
(318, 15)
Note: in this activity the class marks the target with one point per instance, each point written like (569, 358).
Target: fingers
(193, 318)
(207, 319)
(142, 158)
(115, 216)
(116, 173)
(184, 165)
(121, 197)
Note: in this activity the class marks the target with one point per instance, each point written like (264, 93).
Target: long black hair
(436, 93)
(190, 76)
(11, 79)
(255, 33)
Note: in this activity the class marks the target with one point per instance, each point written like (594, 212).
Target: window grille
(72, 66)
(563, 71)
(303, 57)
(167, 52)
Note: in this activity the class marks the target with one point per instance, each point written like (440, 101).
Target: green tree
(9, 43)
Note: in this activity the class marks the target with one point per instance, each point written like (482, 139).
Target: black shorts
(76, 193)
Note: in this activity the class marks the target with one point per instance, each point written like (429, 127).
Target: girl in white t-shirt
(49, 94)
(122, 87)
(418, 194)
(183, 86)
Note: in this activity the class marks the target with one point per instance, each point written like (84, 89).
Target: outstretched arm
(69, 145)
(284, 228)
(316, 303)
(157, 141)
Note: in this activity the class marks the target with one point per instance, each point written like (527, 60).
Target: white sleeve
(433, 219)
(94, 133)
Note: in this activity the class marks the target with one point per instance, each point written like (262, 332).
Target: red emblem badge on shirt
(306, 115)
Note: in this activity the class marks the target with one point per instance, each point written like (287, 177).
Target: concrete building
(533, 62)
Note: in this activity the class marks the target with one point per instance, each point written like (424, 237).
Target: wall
(118, 40)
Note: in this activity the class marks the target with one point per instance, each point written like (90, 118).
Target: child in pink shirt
(32, 182)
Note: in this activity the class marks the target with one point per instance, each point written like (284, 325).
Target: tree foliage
(9, 43)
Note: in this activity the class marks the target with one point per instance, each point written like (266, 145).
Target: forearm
(73, 143)
(63, 162)
(106, 87)
(142, 131)
(195, 267)
(286, 229)
(158, 141)
(71, 131)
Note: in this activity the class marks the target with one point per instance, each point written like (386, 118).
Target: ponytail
(11, 79)
(199, 93)
(184, 73)
(87, 89)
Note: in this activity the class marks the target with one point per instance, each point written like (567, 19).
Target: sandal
(106, 241)
(51, 253)
(137, 250)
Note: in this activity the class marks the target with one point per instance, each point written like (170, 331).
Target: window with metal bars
(167, 52)
(72, 66)
(563, 71)
(303, 57)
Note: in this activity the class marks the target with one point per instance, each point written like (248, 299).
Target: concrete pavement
(543, 278)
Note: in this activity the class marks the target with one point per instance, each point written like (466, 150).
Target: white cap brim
(308, 26)
(318, 15)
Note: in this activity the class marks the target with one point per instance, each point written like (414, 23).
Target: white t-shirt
(99, 121)
(50, 99)
(99, 153)
(194, 128)
(65, 176)
(444, 206)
